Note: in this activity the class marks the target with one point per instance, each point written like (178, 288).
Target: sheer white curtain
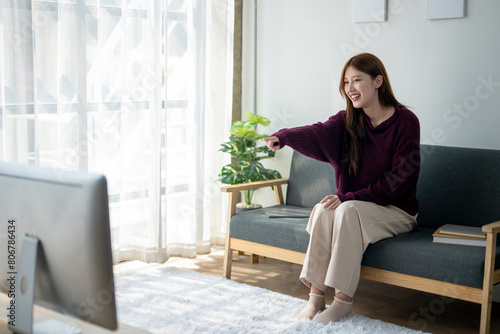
(138, 90)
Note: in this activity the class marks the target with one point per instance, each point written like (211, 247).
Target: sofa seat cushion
(255, 226)
(415, 254)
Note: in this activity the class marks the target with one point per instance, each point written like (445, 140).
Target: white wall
(440, 68)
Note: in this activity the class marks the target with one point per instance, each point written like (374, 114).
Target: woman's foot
(335, 312)
(316, 303)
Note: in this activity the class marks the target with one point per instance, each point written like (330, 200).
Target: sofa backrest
(456, 185)
(309, 182)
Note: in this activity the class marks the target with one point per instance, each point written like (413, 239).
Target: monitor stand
(21, 319)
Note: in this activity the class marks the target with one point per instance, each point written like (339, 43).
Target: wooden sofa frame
(480, 296)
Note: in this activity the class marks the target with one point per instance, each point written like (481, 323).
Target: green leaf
(257, 119)
(240, 132)
(237, 125)
(264, 121)
(252, 136)
(251, 117)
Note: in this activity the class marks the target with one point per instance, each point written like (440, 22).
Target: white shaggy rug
(172, 300)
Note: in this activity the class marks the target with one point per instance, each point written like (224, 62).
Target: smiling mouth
(355, 97)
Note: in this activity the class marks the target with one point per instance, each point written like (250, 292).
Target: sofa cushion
(415, 254)
(309, 182)
(458, 186)
(255, 226)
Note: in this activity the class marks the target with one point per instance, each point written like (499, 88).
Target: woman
(374, 148)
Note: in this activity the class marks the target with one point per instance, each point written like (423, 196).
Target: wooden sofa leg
(254, 258)
(489, 269)
(228, 252)
(484, 327)
(228, 263)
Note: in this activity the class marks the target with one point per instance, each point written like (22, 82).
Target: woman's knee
(320, 217)
(348, 207)
(320, 211)
(344, 208)
(346, 215)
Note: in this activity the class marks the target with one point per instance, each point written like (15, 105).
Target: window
(125, 88)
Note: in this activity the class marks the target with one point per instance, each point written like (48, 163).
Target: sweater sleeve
(396, 186)
(320, 141)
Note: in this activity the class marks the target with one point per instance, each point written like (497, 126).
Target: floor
(404, 307)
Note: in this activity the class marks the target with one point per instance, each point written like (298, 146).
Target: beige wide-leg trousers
(340, 237)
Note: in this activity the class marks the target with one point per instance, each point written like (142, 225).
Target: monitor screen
(66, 213)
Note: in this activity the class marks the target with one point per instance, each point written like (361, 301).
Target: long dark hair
(371, 65)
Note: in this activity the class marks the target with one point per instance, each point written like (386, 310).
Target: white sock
(336, 311)
(316, 303)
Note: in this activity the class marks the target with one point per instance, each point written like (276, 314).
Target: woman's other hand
(330, 202)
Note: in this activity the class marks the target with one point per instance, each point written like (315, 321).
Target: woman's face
(361, 88)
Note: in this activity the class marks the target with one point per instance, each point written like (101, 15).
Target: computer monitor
(54, 225)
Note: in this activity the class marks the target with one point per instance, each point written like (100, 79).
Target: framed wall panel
(369, 11)
(445, 9)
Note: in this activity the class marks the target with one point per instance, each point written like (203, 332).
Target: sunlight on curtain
(138, 90)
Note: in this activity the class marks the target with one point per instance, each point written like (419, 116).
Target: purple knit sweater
(389, 163)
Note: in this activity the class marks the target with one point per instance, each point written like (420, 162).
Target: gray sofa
(456, 186)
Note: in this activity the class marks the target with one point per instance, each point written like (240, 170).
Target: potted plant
(242, 145)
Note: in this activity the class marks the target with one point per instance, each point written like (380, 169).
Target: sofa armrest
(492, 228)
(234, 189)
(254, 185)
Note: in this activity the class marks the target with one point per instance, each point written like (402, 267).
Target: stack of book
(460, 235)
